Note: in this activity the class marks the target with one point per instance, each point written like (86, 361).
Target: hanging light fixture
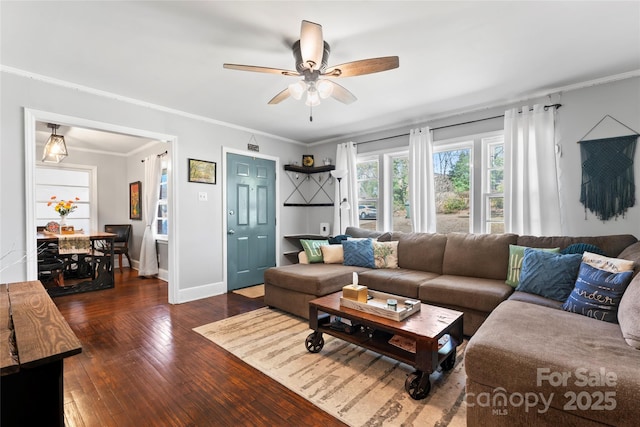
(55, 149)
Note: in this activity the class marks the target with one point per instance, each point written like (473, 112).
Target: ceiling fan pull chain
(310, 113)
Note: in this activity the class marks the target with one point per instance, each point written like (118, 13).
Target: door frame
(225, 151)
(31, 116)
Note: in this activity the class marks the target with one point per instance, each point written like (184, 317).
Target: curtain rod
(546, 107)
(159, 155)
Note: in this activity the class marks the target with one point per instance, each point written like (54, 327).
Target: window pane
(452, 176)
(368, 193)
(400, 182)
(496, 181)
(496, 208)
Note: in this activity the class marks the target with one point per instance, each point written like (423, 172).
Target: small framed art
(307, 160)
(135, 192)
(202, 171)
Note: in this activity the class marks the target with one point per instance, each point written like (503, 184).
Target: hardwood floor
(142, 365)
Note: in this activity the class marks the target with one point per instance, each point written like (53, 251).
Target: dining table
(88, 260)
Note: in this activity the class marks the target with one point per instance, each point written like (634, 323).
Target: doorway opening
(34, 120)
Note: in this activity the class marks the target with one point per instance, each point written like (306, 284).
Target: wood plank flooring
(142, 365)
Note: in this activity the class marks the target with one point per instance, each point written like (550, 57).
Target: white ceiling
(454, 56)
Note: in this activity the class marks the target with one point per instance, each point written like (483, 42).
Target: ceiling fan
(311, 55)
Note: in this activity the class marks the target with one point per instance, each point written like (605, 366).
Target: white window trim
(162, 237)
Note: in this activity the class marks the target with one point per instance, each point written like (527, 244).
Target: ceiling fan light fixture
(297, 89)
(55, 149)
(313, 98)
(325, 88)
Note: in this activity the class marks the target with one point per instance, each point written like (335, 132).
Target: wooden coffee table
(373, 332)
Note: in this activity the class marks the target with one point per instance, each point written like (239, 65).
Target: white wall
(199, 234)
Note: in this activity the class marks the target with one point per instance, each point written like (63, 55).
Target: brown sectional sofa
(461, 271)
(517, 338)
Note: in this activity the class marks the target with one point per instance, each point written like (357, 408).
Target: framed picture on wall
(202, 171)
(135, 192)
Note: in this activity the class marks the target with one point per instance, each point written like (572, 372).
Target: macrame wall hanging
(608, 185)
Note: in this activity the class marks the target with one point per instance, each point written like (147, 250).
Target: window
(162, 216)
(66, 183)
(368, 184)
(493, 184)
(453, 185)
(469, 186)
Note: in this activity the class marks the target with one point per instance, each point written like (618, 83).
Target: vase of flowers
(63, 208)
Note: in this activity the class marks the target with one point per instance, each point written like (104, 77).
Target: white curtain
(346, 160)
(422, 199)
(531, 198)
(150, 189)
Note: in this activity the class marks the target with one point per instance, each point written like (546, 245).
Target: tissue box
(355, 292)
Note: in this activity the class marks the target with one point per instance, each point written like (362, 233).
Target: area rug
(357, 386)
(256, 291)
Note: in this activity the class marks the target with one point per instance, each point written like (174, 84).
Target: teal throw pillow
(312, 249)
(549, 274)
(358, 253)
(597, 293)
(516, 255)
(580, 248)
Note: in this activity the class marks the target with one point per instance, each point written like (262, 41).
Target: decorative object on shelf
(55, 149)
(344, 204)
(608, 183)
(307, 160)
(135, 191)
(326, 161)
(202, 171)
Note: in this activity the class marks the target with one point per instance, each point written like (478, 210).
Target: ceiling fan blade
(342, 94)
(311, 45)
(280, 97)
(364, 66)
(257, 69)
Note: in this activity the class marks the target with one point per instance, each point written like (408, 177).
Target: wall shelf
(308, 171)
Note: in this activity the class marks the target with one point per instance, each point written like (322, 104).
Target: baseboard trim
(199, 292)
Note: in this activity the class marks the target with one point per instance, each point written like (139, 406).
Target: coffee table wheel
(418, 385)
(448, 363)
(314, 342)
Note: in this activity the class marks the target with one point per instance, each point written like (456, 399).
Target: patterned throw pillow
(312, 249)
(358, 253)
(332, 254)
(385, 254)
(548, 274)
(599, 288)
(516, 255)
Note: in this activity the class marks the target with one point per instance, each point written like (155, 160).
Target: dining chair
(121, 241)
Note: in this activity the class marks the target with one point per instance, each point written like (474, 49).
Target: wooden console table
(35, 340)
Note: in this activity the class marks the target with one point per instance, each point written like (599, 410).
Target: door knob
(231, 231)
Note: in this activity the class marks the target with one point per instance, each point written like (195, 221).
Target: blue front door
(251, 219)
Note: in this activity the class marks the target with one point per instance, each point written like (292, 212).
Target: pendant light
(55, 149)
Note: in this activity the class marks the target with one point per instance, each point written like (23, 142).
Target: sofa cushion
(479, 294)
(397, 281)
(519, 339)
(536, 299)
(548, 274)
(385, 254)
(314, 279)
(612, 265)
(516, 255)
(611, 245)
(312, 249)
(332, 254)
(629, 314)
(420, 251)
(597, 293)
(358, 252)
(477, 255)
